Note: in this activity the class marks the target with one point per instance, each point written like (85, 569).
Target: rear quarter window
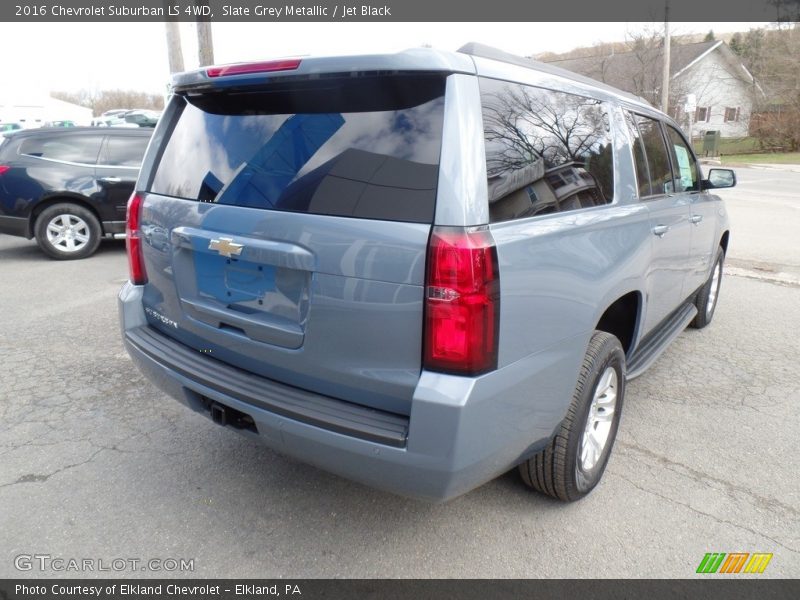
(365, 147)
(124, 150)
(546, 151)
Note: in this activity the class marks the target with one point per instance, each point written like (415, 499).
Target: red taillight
(462, 302)
(3, 169)
(256, 67)
(133, 241)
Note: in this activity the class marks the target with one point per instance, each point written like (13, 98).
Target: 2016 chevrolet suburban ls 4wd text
(417, 270)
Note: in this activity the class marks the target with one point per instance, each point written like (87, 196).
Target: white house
(709, 73)
(724, 92)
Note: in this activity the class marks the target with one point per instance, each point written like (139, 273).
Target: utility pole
(205, 43)
(665, 80)
(174, 47)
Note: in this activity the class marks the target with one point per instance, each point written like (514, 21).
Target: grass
(780, 158)
(745, 145)
(747, 150)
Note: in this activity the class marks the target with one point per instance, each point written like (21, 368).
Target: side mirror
(719, 178)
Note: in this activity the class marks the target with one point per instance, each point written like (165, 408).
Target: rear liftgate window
(364, 147)
(546, 151)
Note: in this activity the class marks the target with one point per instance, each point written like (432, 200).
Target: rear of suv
(399, 269)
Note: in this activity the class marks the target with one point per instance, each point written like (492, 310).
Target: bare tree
(101, 101)
(775, 64)
(772, 55)
(85, 98)
(646, 47)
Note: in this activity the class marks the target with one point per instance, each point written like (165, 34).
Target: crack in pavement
(705, 514)
(32, 478)
(729, 488)
(38, 478)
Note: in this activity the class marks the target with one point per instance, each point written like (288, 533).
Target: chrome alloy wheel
(68, 233)
(599, 421)
(712, 293)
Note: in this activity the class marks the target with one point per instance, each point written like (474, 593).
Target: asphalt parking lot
(96, 463)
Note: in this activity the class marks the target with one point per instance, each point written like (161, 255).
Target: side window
(546, 151)
(125, 151)
(683, 162)
(660, 171)
(69, 148)
(639, 157)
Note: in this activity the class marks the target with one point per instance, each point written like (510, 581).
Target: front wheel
(67, 231)
(708, 295)
(572, 465)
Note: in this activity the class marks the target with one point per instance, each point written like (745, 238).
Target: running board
(646, 354)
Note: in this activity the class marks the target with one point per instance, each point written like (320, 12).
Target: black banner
(411, 589)
(271, 11)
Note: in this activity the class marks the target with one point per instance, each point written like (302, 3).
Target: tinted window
(125, 151)
(660, 172)
(70, 148)
(546, 151)
(639, 158)
(359, 147)
(683, 162)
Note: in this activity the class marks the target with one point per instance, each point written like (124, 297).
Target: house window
(731, 114)
(703, 114)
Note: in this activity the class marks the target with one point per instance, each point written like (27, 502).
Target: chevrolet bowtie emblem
(226, 247)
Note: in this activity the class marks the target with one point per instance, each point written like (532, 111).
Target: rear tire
(67, 231)
(574, 461)
(708, 295)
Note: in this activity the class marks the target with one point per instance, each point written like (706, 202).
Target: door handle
(660, 230)
(111, 179)
(696, 219)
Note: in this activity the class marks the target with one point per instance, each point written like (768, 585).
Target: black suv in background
(68, 188)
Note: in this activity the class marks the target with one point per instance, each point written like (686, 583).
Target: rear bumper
(321, 411)
(461, 431)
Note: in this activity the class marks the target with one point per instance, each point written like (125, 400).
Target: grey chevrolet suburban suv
(417, 270)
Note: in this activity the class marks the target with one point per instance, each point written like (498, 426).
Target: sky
(133, 56)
